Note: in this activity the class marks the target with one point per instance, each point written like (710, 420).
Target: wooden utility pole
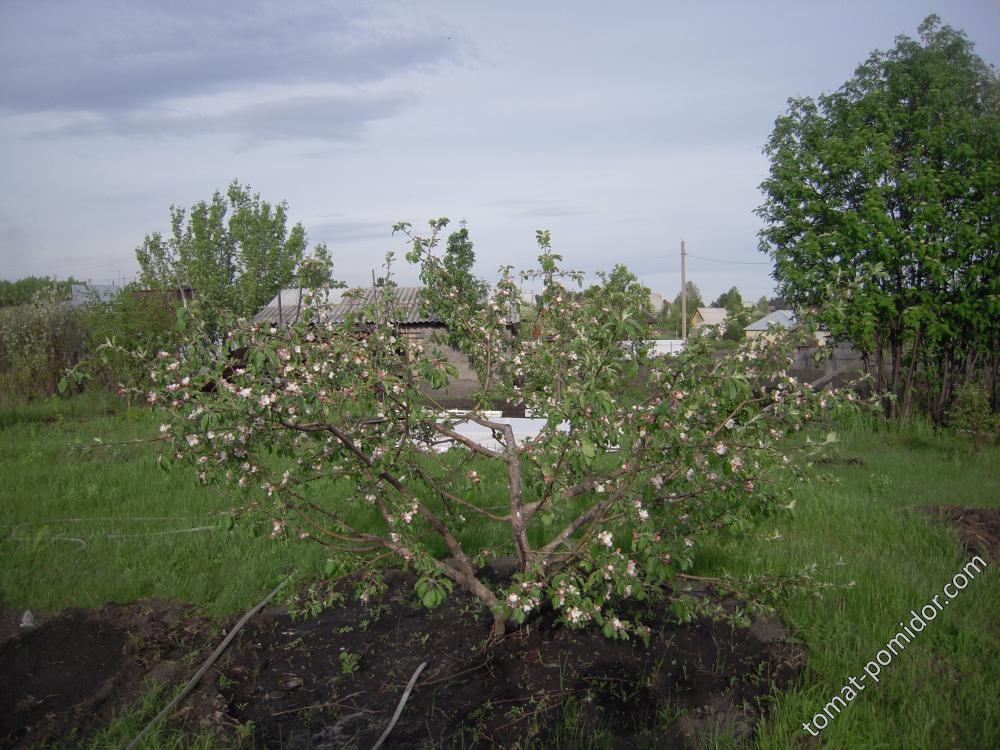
(684, 297)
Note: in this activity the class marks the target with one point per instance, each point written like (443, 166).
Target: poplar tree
(236, 251)
(880, 209)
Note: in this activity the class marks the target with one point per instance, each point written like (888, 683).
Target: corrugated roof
(339, 303)
(292, 301)
(409, 307)
(783, 318)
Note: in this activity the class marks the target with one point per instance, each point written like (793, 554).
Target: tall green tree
(880, 209)
(668, 320)
(454, 280)
(236, 251)
(694, 298)
(731, 300)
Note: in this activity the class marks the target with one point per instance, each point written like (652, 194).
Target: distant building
(173, 296)
(656, 302)
(779, 318)
(412, 319)
(87, 294)
(663, 347)
(708, 317)
(287, 305)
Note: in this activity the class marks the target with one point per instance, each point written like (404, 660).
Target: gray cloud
(334, 232)
(536, 208)
(337, 117)
(106, 56)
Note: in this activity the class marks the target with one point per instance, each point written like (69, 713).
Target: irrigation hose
(16, 536)
(399, 708)
(208, 665)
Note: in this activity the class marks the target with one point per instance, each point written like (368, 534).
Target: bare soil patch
(66, 676)
(333, 681)
(978, 528)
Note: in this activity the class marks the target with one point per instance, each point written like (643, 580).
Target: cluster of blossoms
(614, 489)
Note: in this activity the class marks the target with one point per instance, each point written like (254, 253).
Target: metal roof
(410, 309)
(339, 303)
(783, 318)
(288, 304)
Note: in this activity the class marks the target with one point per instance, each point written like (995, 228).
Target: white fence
(661, 347)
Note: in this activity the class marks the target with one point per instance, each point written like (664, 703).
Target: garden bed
(978, 528)
(333, 681)
(66, 676)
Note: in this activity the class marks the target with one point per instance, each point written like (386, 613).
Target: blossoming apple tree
(637, 457)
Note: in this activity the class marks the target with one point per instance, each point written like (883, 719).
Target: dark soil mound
(978, 528)
(65, 677)
(334, 681)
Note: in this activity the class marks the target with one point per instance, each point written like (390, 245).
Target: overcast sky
(622, 127)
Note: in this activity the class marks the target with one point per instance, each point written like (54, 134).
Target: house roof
(712, 316)
(339, 303)
(287, 304)
(409, 306)
(782, 318)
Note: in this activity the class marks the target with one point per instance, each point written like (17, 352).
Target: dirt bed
(977, 528)
(333, 681)
(67, 675)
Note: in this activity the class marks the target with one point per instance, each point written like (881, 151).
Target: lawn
(855, 520)
(86, 523)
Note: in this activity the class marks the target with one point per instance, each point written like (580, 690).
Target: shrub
(971, 414)
(606, 503)
(37, 342)
(123, 337)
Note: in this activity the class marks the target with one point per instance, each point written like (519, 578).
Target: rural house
(86, 294)
(779, 318)
(171, 296)
(414, 321)
(708, 317)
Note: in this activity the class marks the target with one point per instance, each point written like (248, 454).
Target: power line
(732, 262)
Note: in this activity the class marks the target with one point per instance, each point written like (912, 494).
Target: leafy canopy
(881, 205)
(604, 505)
(236, 251)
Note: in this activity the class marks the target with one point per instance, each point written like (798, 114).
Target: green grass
(73, 531)
(857, 525)
(90, 518)
(854, 521)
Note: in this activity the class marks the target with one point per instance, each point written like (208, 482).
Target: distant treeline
(22, 291)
